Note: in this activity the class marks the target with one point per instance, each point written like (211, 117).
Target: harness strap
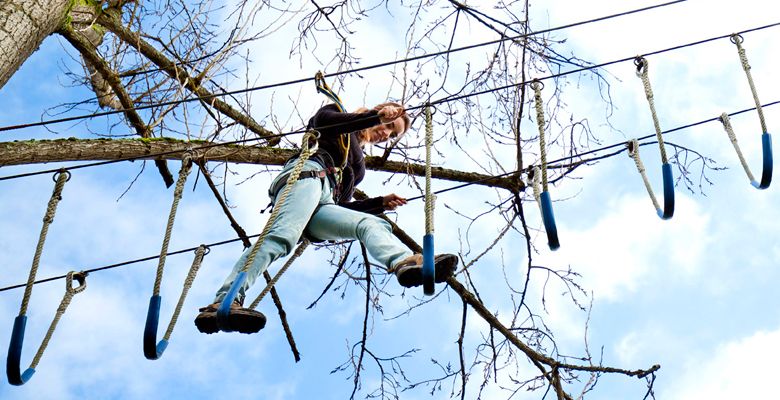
(322, 174)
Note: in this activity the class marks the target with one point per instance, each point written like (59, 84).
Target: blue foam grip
(12, 368)
(766, 175)
(668, 210)
(549, 221)
(429, 267)
(223, 312)
(153, 350)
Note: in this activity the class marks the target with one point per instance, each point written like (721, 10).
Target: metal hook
(736, 38)
(537, 85)
(57, 174)
(640, 63)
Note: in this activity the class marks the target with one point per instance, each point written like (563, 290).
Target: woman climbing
(320, 206)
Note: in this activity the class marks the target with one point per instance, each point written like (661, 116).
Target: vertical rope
(633, 152)
(642, 72)
(60, 178)
(306, 152)
(535, 183)
(186, 165)
(196, 262)
(430, 198)
(737, 40)
(70, 291)
(724, 119)
(537, 87)
(298, 251)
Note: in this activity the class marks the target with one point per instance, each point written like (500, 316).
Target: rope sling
(543, 199)
(13, 368)
(153, 350)
(223, 312)
(633, 149)
(429, 267)
(766, 138)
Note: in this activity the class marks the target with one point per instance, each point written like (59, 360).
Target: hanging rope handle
(544, 200)
(642, 67)
(429, 267)
(766, 138)
(13, 369)
(152, 350)
(223, 312)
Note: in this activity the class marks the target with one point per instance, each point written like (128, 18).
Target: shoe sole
(242, 321)
(445, 265)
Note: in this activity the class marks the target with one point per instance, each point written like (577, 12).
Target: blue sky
(694, 294)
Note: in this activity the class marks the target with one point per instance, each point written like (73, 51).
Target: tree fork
(91, 56)
(111, 21)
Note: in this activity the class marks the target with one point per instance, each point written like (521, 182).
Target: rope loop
(13, 364)
(153, 350)
(80, 277)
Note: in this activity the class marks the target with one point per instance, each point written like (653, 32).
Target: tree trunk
(45, 151)
(23, 26)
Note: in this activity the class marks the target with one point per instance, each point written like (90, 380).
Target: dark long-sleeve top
(333, 125)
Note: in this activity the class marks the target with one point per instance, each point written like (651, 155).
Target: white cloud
(617, 252)
(741, 369)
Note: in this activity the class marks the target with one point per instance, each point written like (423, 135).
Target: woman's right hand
(390, 113)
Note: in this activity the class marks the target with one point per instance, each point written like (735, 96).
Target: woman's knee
(369, 224)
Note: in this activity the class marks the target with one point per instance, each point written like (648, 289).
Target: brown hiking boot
(409, 270)
(241, 319)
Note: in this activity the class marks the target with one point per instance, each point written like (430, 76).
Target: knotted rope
(186, 166)
(737, 40)
(201, 251)
(633, 152)
(537, 87)
(70, 291)
(724, 119)
(59, 178)
(642, 67)
(430, 198)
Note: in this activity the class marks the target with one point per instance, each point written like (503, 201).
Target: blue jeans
(309, 206)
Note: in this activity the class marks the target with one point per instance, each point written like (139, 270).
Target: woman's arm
(329, 121)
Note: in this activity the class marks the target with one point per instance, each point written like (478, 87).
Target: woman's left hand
(392, 201)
